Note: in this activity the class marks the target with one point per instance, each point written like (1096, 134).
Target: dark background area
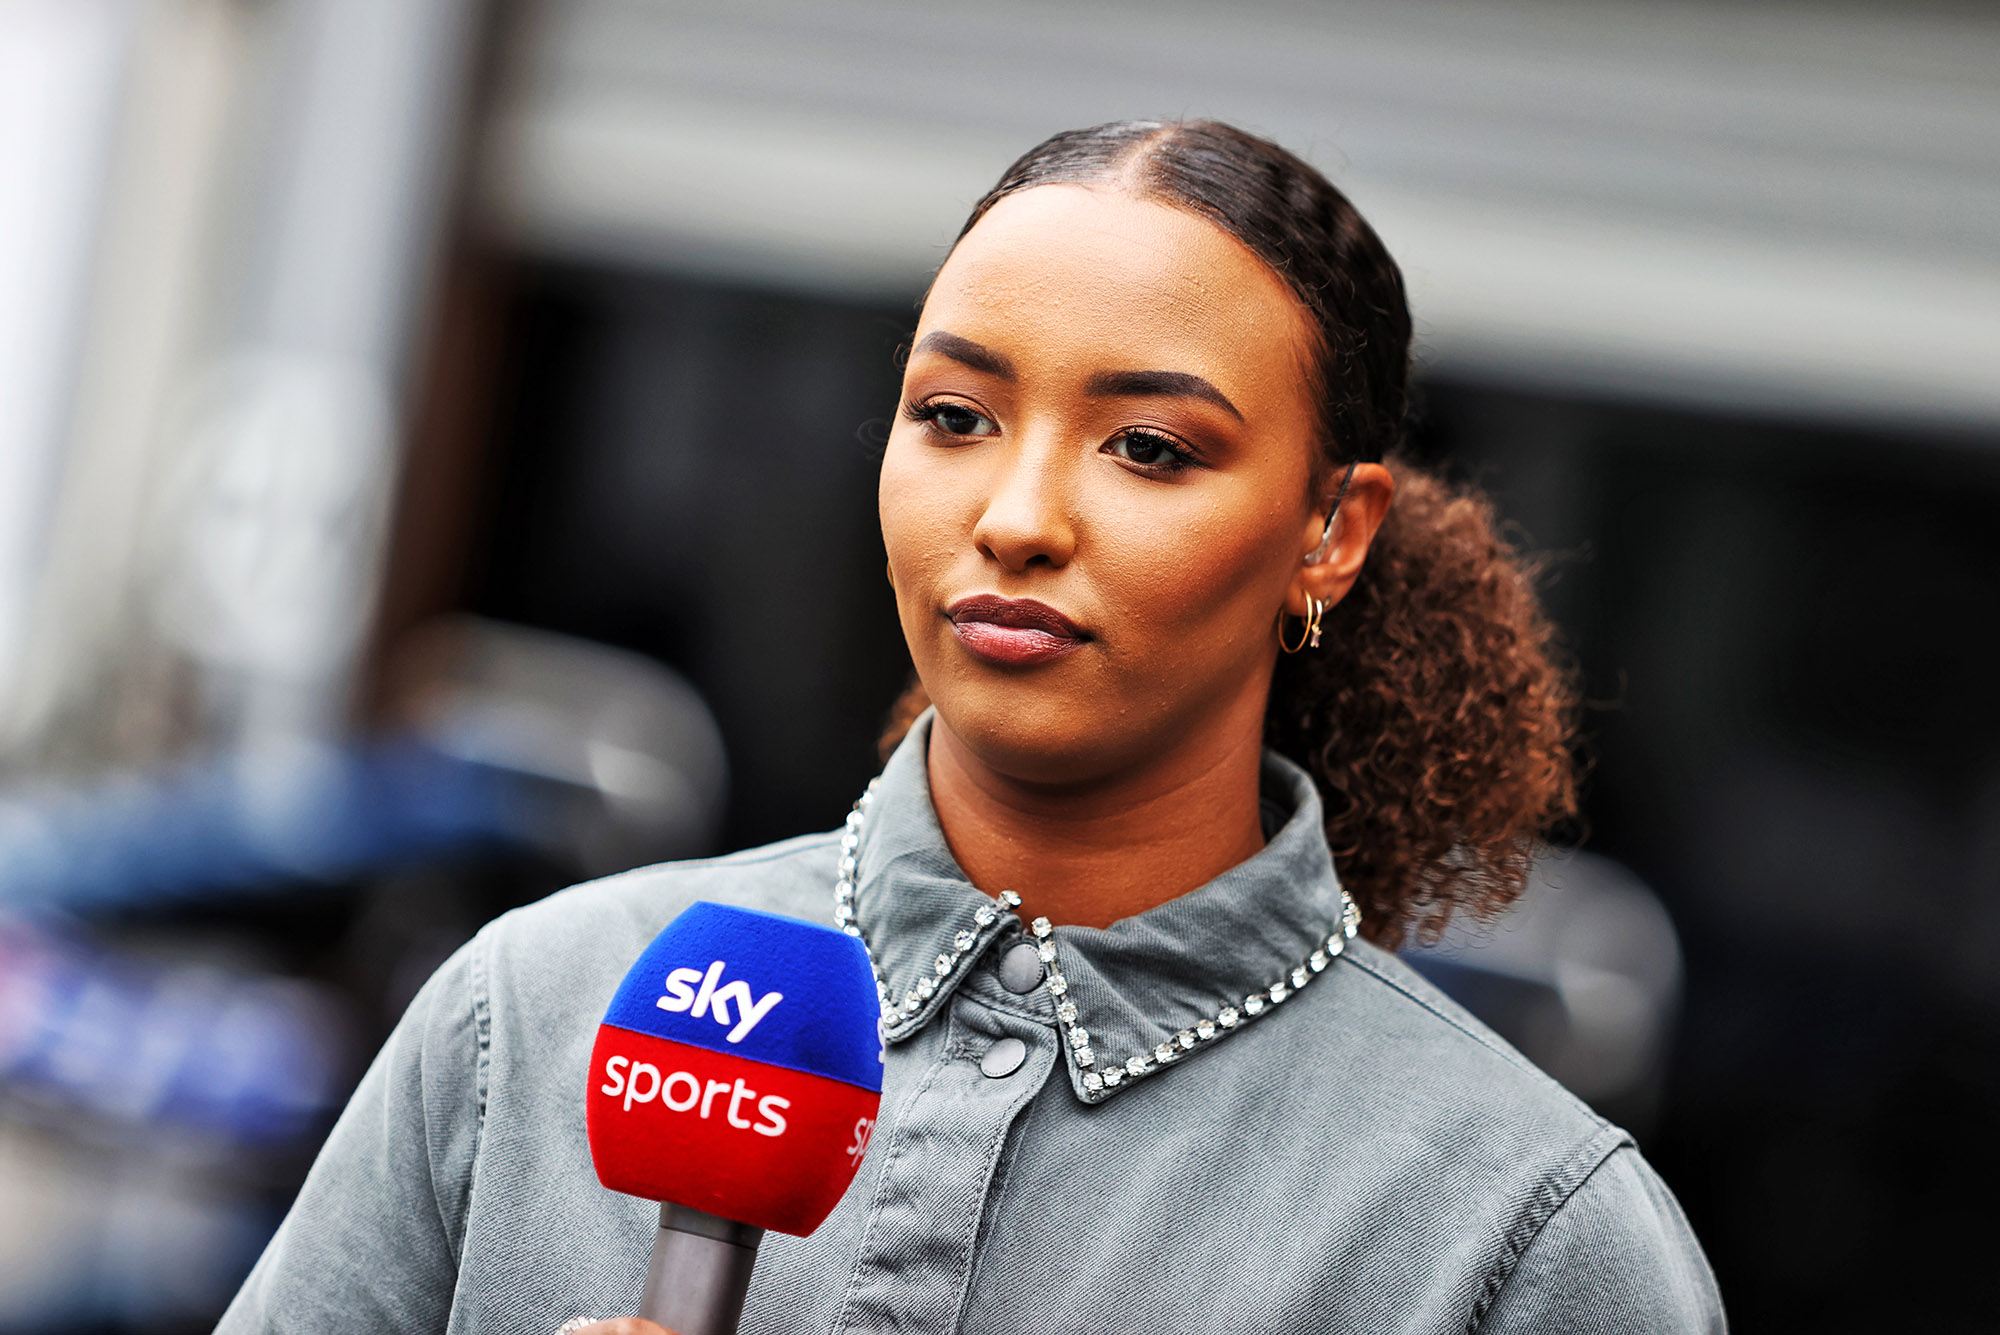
(689, 471)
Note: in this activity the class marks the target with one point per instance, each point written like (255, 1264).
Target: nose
(1027, 518)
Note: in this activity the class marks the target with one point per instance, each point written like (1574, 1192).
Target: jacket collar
(1131, 998)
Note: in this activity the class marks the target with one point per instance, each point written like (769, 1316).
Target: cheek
(924, 517)
(911, 504)
(1205, 575)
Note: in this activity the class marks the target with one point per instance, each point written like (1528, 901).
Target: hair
(1438, 724)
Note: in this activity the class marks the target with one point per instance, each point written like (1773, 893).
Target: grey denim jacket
(1362, 1156)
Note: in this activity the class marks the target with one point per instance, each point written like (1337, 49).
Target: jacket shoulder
(1435, 1055)
(793, 877)
(579, 942)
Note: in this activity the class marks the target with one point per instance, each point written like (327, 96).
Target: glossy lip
(1014, 632)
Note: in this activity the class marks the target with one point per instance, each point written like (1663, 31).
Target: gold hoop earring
(1308, 627)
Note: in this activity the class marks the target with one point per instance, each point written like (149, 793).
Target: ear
(1355, 524)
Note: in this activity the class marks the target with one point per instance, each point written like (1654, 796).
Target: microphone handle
(699, 1272)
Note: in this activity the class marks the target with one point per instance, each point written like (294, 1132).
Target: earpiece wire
(1326, 538)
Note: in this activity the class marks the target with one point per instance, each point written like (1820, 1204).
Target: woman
(1141, 1073)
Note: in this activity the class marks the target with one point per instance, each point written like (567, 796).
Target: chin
(1031, 735)
(1042, 729)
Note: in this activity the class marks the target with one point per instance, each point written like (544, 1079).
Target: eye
(1149, 450)
(953, 419)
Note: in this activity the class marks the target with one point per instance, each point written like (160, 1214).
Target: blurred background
(437, 451)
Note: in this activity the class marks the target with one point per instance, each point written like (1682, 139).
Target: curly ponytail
(1437, 722)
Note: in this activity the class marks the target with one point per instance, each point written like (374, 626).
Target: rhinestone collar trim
(1096, 1080)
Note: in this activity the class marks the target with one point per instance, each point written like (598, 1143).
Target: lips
(1014, 632)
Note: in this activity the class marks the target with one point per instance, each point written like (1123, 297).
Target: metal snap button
(1020, 968)
(1003, 1058)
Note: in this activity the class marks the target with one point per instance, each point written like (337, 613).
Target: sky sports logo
(681, 1091)
(698, 994)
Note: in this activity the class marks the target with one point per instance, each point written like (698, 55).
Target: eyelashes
(948, 417)
(1151, 452)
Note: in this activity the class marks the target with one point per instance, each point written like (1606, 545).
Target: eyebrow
(1109, 384)
(1175, 384)
(976, 355)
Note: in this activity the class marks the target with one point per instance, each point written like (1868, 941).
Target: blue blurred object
(249, 1060)
(296, 811)
(147, 1113)
(511, 738)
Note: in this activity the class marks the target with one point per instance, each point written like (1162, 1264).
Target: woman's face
(1097, 493)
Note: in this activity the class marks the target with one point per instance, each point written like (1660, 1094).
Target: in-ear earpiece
(1326, 537)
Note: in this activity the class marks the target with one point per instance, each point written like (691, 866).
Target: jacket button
(1020, 968)
(1003, 1058)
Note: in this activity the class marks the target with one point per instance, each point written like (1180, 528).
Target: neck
(1090, 854)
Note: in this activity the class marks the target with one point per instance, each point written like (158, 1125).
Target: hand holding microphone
(736, 1079)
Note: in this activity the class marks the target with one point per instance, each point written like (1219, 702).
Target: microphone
(736, 1080)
